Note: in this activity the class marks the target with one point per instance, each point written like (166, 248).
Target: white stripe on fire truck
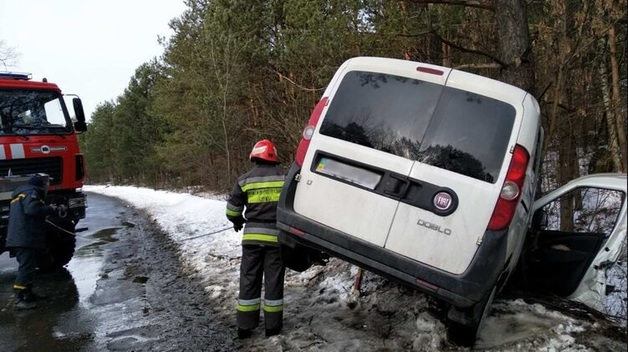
(3, 155)
(17, 151)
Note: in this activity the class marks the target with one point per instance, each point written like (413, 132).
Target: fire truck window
(22, 119)
(5, 122)
(54, 113)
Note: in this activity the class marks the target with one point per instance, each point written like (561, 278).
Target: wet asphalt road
(124, 290)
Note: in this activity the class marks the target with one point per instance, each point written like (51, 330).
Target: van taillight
(511, 190)
(308, 131)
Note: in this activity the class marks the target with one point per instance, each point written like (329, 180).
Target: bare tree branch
(281, 76)
(472, 51)
(480, 4)
(8, 55)
(478, 66)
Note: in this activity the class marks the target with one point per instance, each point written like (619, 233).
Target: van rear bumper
(462, 290)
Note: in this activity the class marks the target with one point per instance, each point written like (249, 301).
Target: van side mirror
(79, 125)
(540, 220)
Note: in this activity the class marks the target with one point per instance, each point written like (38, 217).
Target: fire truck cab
(38, 135)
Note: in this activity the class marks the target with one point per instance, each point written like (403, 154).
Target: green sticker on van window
(321, 164)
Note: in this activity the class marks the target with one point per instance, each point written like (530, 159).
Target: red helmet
(264, 150)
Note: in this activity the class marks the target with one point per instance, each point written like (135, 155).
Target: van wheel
(463, 326)
(300, 258)
(295, 258)
(462, 335)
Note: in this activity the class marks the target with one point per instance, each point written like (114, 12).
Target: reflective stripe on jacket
(260, 233)
(254, 197)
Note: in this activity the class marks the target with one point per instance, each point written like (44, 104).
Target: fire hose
(183, 239)
(60, 228)
(207, 234)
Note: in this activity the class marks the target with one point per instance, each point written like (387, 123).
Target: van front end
(462, 291)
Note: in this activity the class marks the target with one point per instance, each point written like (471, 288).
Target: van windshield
(456, 130)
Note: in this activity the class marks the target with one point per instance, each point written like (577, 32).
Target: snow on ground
(324, 313)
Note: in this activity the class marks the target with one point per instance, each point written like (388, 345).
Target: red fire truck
(38, 135)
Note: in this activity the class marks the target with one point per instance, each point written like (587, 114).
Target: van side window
(585, 210)
(441, 126)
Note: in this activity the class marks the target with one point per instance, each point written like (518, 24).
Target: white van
(421, 173)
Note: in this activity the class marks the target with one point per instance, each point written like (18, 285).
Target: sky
(323, 311)
(88, 47)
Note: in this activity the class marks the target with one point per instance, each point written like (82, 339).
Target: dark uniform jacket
(258, 191)
(27, 218)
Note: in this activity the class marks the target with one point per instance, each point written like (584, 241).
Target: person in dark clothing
(253, 202)
(26, 234)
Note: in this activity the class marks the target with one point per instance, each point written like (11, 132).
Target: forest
(237, 71)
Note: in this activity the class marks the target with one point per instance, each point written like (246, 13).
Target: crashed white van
(423, 174)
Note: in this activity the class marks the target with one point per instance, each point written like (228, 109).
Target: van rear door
(460, 169)
(576, 237)
(361, 153)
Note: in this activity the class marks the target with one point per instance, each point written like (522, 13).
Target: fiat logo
(442, 201)
(45, 149)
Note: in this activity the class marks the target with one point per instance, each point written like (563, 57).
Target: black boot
(244, 333)
(23, 302)
(273, 331)
(29, 295)
(24, 305)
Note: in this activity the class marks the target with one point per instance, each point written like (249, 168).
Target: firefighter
(252, 205)
(26, 234)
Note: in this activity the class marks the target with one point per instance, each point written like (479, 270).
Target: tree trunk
(616, 115)
(514, 43)
(609, 111)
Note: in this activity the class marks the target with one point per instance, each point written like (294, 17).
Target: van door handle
(396, 187)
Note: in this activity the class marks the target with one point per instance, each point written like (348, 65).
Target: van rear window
(445, 127)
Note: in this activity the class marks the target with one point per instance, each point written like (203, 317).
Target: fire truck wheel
(59, 248)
